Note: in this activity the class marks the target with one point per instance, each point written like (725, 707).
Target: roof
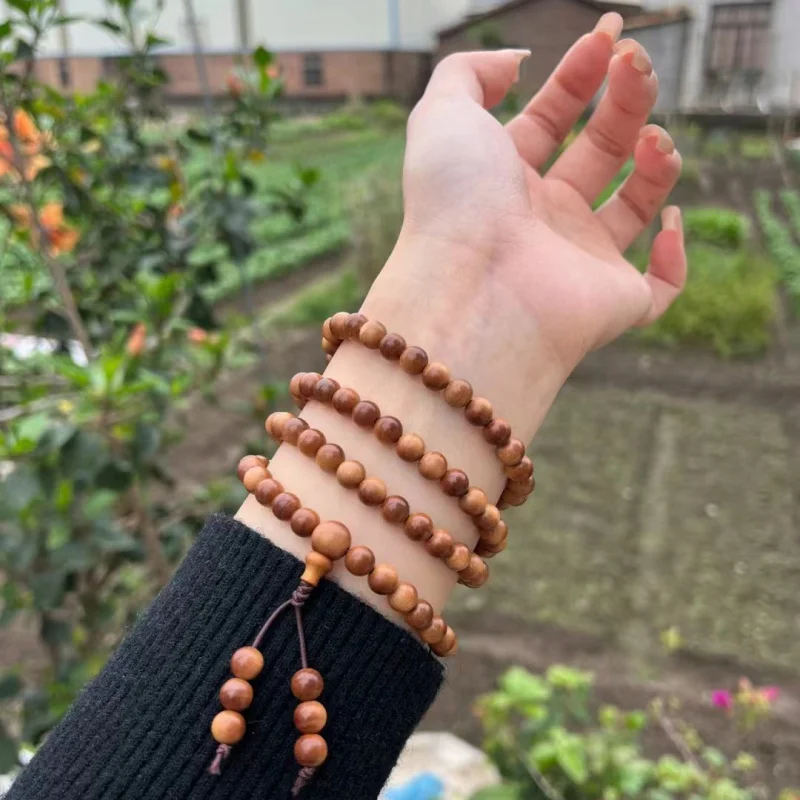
(657, 18)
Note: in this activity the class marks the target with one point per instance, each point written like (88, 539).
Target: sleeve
(141, 728)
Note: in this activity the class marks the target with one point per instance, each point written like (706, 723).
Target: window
(739, 39)
(312, 70)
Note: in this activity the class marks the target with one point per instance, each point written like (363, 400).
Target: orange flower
(235, 84)
(197, 335)
(25, 128)
(6, 156)
(29, 141)
(136, 341)
(274, 71)
(60, 236)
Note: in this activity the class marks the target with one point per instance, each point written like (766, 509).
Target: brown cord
(303, 779)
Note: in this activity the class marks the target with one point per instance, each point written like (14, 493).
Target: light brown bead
(366, 414)
(345, 400)
(294, 385)
(489, 519)
(332, 539)
(309, 441)
(403, 598)
(432, 466)
(350, 474)
(248, 462)
(512, 452)
(473, 502)
(254, 476)
(414, 360)
(354, 325)
(372, 491)
(521, 471)
(325, 389)
(228, 727)
(274, 423)
(490, 551)
(495, 535)
(372, 334)
(339, 324)
(236, 694)
(420, 616)
(310, 750)
(497, 432)
(395, 509)
(329, 347)
(459, 558)
(475, 574)
(292, 429)
(436, 376)
(307, 684)
(329, 456)
(434, 632)
(513, 499)
(418, 527)
(521, 487)
(388, 430)
(327, 333)
(458, 393)
(383, 579)
(479, 412)
(317, 567)
(448, 645)
(440, 544)
(303, 522)
(284, 505)
(392, 346)
(307, 384)
(310, 716)
(359, 561)
(267, 491)
(410, 447)
(247, 663)
(455, 483)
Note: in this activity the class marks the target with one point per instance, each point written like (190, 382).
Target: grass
(791, 205)
(780, 245)
(718, 226)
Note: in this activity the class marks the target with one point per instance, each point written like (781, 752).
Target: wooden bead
(284, 505)
(495, 535)
(247, 663)
(338, 324)
(267, 491)
(317, 567)
(497, 432)
(372, 491)
(366, 414)
(489, 519)
(459, 558)
(307, 384)
(388, 430)
(354, 325)
(434, 632)
(508, 500)
(410, 447)
(329, 457)
(329, 347)
(511, 452)
(436, 376)
(310, 750)
(254, 476)
(418, 527)
(325, 389)
(473, 502)
(292, 429)
(440, 544)
(383, 579)
(310, 717)
(274, 424)
(392, 346)
(303, 522)
(236, 694)
(350, 474)
(479, 412)
(371, 334)
(432, 466)
(403, 598)
(294, 385)
(490, 551)
(414, 360)
(248, 462)
(228, 727)
(327, 333)
(521, 471)
(309, 441)
(475, 574)
(345, 400)
(307, 684)
(455, 483)
(359, 561)
(332, 539)
(395, 509)
(458, 393)
(420, 616)
(448, 644)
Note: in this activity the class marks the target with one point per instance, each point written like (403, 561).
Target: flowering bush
(748, 705)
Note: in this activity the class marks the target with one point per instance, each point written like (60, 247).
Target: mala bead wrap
(250, 461)
(307, 684)
(317, 567)
(236, 694)
(371, 334)
(395, 509)
(345, 400)
(254, 476)
(388, 430)
(267, 491)
(332, 539)
(359, 561)
(304, 521)
(310, 717)
(284, 505)
(247, 663)
(228, 727)
(311, 750)
(392, 346)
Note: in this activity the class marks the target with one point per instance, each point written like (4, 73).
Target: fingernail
(609, 25)
(520, 55)
(671, 219)
(663, 141)
(639, 59)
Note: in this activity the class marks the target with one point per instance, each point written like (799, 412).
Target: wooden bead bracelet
(456, 392)
(471, 568)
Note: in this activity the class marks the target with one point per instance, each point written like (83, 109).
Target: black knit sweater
(141, 728)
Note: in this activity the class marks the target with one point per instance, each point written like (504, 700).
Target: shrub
(791, 204)
(719, 226)
(780, 245)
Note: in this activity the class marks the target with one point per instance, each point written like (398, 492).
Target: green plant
(780, 244)
(719, 226)
(791, 204)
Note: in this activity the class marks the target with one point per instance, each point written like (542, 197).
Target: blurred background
(189, 188)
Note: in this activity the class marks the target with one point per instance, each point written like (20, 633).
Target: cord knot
(301, 594)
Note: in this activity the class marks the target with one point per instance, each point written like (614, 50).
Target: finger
(547, 119)
(657, 166)
(610, 135)
(666, 274)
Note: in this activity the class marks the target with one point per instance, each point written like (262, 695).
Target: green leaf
(714, 758)
(110, 25)
(5, 31)
(155, 41)
(543, 756)
(33, 427)
(56, 631)
(48, 589)
(23, 6)
(504, 792)
(262, 57)
(8, 751)
(571, 756)
(10, 686)
(146, 441)
(524, 687)
(634, 776)
(19, 488)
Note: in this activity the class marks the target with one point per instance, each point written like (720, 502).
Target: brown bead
(383, 579)
(354, 325)
(294, 385)
(339, 324)
(228, 727)
(521, 471)
(254, 476)
(395, 509)
(490, 551)
(248, 462)
(513, 499)
(303, 522)
(459, 558)
(440, 544)
(307, 684)
(359, 561)
(275, 423)
(489, 519)
(475, 574)
(495, 535)
(307, 384)
(247, 663)
(284, 505)
(410, 447)
(366, 414)
(388, 430)
(414, 360)
(512, 452)
(403, 598)
(436, 376)
(327, 333)
(329, 456)
(458, 393)
(372, 491)
(371, 334)
(392, 346)
(236, 694)
(448, 645)
(350, 474)
(310, 717)
(420, 616)
(292, 429)
(332, 539)
(329, 347)
(309, 441)
(497, 432)
(434, 632)
(418, 527)
(310, 750)
(267, 491)
(325, 389)
(473, 502)
(432, 466)
(479, 412)
(345, 400)
(455, 483)
(317, 567)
